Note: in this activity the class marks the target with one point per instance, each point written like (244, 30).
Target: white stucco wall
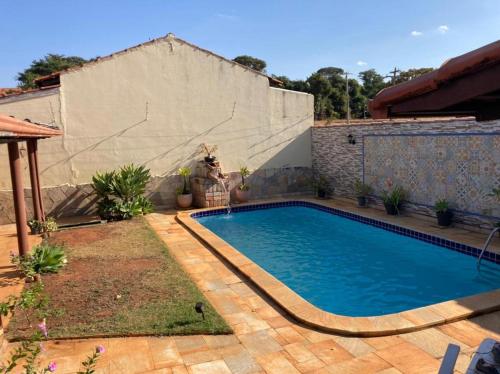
(156, 104)
(43, 107)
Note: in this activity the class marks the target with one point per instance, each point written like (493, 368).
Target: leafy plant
(35, 225)
(244, 172)
(48, 258)
(322, 186)
(208, 149)
(495, 192)
(185, 172)
(49, 225)
(44, 258)
(394, 198)
(121, 192)
(441, 206)
(362, 189)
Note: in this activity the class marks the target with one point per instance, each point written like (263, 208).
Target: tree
(411, 74)
(45, 66)
(372, 81)
(251, 62)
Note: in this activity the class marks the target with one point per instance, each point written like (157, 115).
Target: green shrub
(395, 197)
(362, 189)
(441, 206)
(121, 192)
(44, 258)
(244, 172)
(184, 172)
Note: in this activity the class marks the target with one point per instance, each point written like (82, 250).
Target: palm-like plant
(121, 192)
(185, 172)
(47, 258)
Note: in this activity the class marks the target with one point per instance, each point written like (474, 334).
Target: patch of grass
(120, 280)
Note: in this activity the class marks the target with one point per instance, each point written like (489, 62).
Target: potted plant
(184, 195)
(322, 187)
(393, 200)
(243, 190)
(35, 226)
(443, 212)
(209, 150)
(362, 191)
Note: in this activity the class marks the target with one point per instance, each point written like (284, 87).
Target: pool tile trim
(442, 242)
(305, 312)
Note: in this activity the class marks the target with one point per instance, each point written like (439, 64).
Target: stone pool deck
(307, 313)
(265, 339)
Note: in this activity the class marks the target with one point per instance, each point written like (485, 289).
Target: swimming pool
(351, 268)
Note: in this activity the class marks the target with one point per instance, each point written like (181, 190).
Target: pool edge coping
(303, 311)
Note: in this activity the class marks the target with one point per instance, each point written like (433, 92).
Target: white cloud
(416, 33)
(443, 29)
(361, 63)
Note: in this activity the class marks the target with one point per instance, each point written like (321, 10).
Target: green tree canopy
(372, 82)
(409, 74)
(45, 66)
(251, 62)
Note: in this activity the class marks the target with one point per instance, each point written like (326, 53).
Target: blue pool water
(351, 268)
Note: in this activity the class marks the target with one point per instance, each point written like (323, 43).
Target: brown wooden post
(34, 178)
(39, 185)
(18, 194)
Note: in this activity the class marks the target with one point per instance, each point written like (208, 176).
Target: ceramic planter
(444, 218)
(391, 209)
(242, 195)
(184, 200)
(362, 201)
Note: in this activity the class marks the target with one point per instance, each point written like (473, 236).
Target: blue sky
(295, 37)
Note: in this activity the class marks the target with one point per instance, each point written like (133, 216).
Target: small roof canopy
(13, 129)
(467, 85)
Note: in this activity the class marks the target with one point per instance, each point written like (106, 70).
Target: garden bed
(120, 280)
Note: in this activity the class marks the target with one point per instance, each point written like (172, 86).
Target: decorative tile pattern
(463, 168)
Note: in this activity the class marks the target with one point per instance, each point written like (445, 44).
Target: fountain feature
(210, 186)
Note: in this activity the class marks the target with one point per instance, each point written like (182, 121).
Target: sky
(294, 37)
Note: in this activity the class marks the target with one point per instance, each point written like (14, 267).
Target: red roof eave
(15, 128)
(453, 68)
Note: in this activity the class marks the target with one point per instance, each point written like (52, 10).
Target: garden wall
(153, 105)
(457, 159)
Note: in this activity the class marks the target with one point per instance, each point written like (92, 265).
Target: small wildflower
(52, 366)
(100, 349)
(118, 297)
(43, 328)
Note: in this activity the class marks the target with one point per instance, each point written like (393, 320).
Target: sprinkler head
(199, 307)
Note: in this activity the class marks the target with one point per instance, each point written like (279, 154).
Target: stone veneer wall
(66, 200)
(455, 159)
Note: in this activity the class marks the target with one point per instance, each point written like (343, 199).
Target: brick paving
(264, 340)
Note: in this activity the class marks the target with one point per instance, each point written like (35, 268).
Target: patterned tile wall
(463, 168)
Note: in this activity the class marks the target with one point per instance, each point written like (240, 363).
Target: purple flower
(43, 328)
(100, 349)
(52, 366)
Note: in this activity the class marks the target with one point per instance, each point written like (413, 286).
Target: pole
(18, 194)
(347, 98)
(35, 191)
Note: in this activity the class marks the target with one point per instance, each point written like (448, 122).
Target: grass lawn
(120, 280)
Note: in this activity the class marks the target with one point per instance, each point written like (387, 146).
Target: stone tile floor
(264, 340)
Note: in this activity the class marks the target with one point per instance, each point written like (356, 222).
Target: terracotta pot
(184, 201)
(242, 196)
